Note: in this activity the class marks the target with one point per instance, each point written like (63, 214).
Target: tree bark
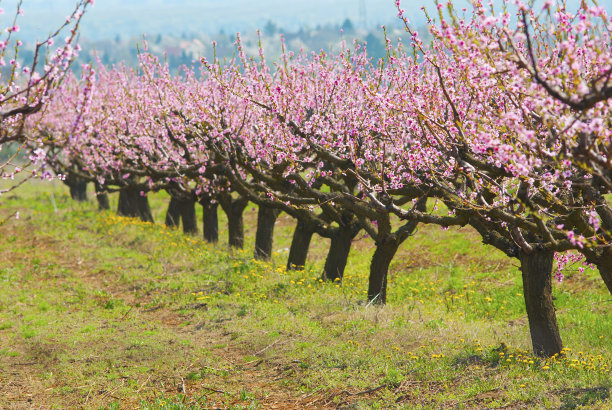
(173, 214)
(603, 261)
(235, 228)
(605, 270)
(299, 246)
(102, 198)
(602, 258)
(338, 253)
(387, 243)
(78, 189)
(379, 268)
(132, 204)
(234, 209)
(210, 220)
(188, 215)
(266, 218)
(536, 268)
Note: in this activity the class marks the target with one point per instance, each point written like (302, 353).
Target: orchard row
(503, 120)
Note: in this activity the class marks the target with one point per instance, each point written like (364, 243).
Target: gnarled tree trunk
(266, 218)
(78, 188)
(102, 198)
(387, 243)
(210, 220)
(235, 228)
(536, 268)
(299, 246)
(602, 258)
(605, 270)
(188, 215)
(338, 253)
(379, 268)
(133, 204)
(182, 208)
(173, 213)
(234, 208)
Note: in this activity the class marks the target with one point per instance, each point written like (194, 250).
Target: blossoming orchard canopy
(25, 90)
(464, 117)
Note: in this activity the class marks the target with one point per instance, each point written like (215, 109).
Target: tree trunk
(235, 228)
(338, 254)
(78, 189)
(602, 258)
(125, 204)
(102, 198)
(536, 268)
(132, 204)
(605, 270)
(188, 215)
(299, 246)
(379, 268)
(266, 218)
(210, 221)
(387, 244)
(173, 213)
(234, 209)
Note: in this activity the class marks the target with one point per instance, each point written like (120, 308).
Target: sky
(108, 18)
(127, 18)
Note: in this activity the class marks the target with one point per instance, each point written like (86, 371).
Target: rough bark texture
(605, 270)
(234, 209)
(387, 243)
(182, 208)
(173, 214)
(132, 204)
(210, 221)
(235, 229)
(379, 268)
(78, 189)
(102, 198)
(266, 218)
(299, 246)
(602, 258)
(536, 268)
(338, 253)
(188, 215)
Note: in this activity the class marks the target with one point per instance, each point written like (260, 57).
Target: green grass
(99, 311)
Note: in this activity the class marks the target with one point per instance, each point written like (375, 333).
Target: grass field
(98, 311)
